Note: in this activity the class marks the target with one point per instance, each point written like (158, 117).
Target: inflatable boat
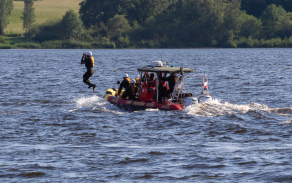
(148, 98)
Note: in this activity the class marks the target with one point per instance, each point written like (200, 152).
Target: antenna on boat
(161, 57)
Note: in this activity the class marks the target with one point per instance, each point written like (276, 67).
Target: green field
(44, 10)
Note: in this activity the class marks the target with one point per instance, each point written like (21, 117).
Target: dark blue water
(54, 129)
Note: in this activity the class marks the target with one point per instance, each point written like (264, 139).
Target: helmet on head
(138, 76)
(125, 75)
(133, 81)
(89, 53)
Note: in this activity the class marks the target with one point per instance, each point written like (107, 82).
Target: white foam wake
(215, 108)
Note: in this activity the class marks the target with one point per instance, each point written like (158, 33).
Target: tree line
(188, 23)
(28, 15)
(167, 24)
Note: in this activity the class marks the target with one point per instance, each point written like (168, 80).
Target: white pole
(157, 87)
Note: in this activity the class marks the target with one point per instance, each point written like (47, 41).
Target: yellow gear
(137, 80)
(129, 80)
(92, 61)
(133, 90)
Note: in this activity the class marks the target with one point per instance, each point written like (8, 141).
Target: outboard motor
(204, 98)
(190, 101)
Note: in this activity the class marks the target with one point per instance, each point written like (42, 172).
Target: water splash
(96, 104)
(92, 101)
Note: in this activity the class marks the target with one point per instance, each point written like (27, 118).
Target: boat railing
(177, 95)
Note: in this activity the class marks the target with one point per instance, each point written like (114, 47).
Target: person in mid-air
(88, 60)
(131, 91)
(124, 84)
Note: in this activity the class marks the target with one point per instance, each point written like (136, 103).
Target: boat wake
(214, 108)
(211, 108)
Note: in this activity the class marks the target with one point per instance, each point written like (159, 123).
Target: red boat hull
(142, 105)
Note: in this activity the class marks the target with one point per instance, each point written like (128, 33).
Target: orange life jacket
(133, 90)
(137, 80)
(129, 80)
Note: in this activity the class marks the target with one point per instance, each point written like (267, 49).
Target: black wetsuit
(124, 84)
(89, 66)
(129, 92)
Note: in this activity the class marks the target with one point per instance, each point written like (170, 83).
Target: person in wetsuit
(131, 91)
(124, 84)
(171, 82)
(88, 60)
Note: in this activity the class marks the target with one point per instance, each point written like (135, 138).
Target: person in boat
(162, 89)
(171, 82)
(137, 79)
(151, 79)
(131, 91)
(88, 60)
(147, 80)
(124, 84)
(146, 76)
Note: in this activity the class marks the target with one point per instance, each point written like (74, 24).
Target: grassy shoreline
(18, 41)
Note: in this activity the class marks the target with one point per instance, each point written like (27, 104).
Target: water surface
(54, 129)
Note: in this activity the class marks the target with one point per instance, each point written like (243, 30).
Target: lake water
(54, 129)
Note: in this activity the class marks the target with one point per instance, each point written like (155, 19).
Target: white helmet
(138, 76)
(133, 81)
(89, 53)
(125, 75)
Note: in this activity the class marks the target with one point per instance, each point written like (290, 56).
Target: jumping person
(88, 60)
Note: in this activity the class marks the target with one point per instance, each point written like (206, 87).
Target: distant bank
(164, 24)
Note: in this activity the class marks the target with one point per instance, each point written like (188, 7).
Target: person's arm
(82, 59)
(121, 87)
